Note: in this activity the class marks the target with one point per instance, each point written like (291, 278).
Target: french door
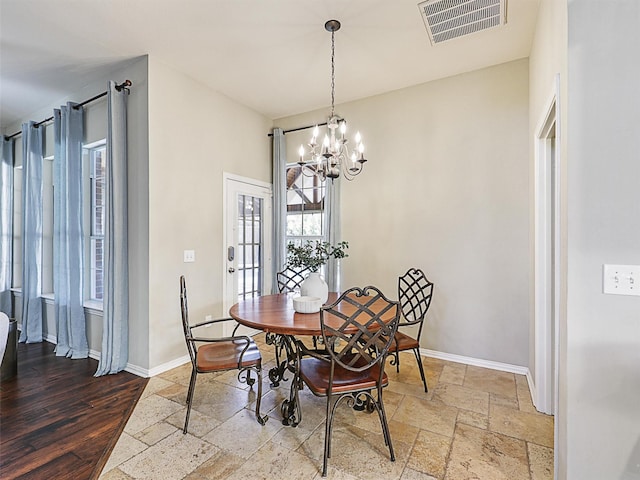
(247, 247)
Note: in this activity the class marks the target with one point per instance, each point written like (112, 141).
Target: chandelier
(333, 156)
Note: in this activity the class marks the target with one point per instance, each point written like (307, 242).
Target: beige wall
(196, 134)
(445, 190)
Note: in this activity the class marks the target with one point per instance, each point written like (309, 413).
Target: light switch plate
(189, 256)
(621, 279)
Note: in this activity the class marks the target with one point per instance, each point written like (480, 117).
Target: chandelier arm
(351, 172)
(304, 167)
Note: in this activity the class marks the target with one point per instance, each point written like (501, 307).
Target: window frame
(318, 190)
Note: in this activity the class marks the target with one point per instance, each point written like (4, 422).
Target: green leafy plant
(314, 254)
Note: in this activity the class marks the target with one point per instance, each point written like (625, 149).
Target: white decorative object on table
(313, 255)
(306, 304)
(315, 286)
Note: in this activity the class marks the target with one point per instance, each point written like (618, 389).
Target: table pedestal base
(290, 408)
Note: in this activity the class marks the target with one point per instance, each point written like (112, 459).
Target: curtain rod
(299, 128)
(126, 84)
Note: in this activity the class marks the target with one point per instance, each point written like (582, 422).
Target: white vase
(315, 286)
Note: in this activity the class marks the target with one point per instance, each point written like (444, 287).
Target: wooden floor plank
(59, 421)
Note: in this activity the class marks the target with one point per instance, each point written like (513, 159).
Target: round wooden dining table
(275, 315)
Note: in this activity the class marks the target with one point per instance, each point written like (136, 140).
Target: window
(305, 206)
(97, 158)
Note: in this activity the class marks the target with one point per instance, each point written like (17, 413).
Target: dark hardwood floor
(58, 421)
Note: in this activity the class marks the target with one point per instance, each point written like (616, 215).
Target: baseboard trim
(477, 362)
(146, 372)
(451, 357)
(169, 365)
(532, 388)
(134, 369)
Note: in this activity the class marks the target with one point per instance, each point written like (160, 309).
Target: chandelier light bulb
(301, 152)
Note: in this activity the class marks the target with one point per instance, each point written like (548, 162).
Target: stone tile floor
(474, 423)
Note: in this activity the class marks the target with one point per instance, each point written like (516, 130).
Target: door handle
(231, 269)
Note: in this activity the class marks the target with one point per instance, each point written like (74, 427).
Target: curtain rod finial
(126, 84)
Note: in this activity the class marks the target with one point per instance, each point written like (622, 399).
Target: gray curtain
(68, 232)
(115, 329)
(6, 225)
(31, 233)
(279, 204)
(333, 230)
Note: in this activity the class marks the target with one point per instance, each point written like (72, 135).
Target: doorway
(547, 259)
(247, 241)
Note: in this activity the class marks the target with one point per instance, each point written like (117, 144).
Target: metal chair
(414, 293)
(357, 330)
(289, 280)
(219, 354)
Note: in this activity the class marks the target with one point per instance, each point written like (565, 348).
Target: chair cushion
(403, 342)
(225, 355)
(315, 373)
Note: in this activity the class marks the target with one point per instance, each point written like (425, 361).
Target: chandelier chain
(333, 73)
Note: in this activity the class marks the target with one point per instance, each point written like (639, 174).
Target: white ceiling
(273, 56)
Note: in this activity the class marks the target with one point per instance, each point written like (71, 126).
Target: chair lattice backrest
(414, 292)
(358, 327)
(289, 280)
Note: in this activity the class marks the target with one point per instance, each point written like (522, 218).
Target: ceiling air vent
(448, 19)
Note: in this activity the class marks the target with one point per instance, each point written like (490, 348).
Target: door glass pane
(250, 261)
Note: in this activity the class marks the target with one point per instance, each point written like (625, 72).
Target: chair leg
(250, 381)
(419, 360)
(192, 388)
(385, 426)
(327, 437)
(261, 420)
(397, 355)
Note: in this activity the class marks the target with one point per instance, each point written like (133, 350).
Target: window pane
(97, 257)
(294, 225)
(97, 157)
(241, 261)
(249, 256)
(313, 224)
(248, 230)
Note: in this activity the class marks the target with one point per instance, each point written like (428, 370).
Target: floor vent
(448, 19)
